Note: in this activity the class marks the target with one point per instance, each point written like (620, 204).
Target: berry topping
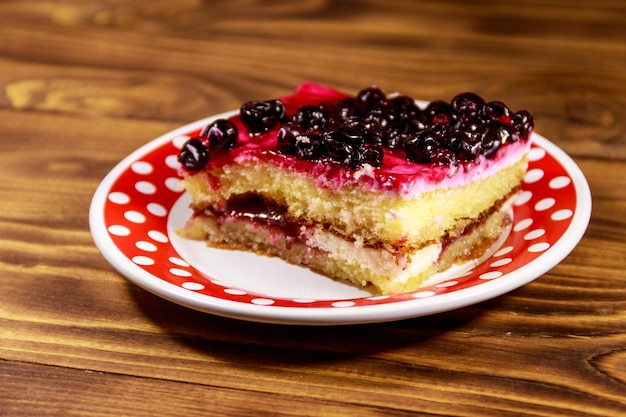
(193, 155)
(222, 134)
(261, 116)
(361, 130)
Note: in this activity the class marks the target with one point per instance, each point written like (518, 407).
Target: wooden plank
(84, 83)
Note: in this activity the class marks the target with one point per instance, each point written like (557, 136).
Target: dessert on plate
(370, 188)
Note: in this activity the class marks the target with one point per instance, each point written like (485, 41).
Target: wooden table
(84, 83)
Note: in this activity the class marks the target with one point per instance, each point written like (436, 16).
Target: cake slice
(370, 188)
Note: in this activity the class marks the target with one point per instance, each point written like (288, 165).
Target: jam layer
(263, 212)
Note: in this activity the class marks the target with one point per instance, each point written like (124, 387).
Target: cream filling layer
(399, 267)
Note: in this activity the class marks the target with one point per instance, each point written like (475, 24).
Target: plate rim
(336, 315)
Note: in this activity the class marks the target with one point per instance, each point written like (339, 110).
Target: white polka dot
(172, 161)
(143, 260)
(179, 141)
(522, 224)
(501, 262)
(158, 236)
(157, 209)
(562, 214)
(303, 300)
(533, 176)
(180, 272)
(447, 284)
(523, 198)
(233, 291)
(146, 246)
(178, 261)
(262, 301)
(559, 182)
(193, 286)
(539, 247)
(141, 167)
(145, 187)
(503, 251)
(545, 204)
(534, 234)
(491, 275)
(174, 184)
(118, 230)
(424, 294)
(536, 154)
(119, 198)
(134, 216)
(342, 304)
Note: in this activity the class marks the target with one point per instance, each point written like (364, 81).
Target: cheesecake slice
(370, 188)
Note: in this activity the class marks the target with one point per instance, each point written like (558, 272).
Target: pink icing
(397, 175)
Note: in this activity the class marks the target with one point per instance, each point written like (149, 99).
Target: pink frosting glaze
(397, 175)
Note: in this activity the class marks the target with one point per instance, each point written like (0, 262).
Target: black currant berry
(343, 147)
(439, 113)
(468, 124)
(372, 155)
(393, 139)
(193, 155)
(443, 157)
(412, 121)
(467, 104)
(378, 119)
(261, 116)
(490, 142)
(523, 123)
(370, 97)
(309, 146)
(311, 118)
(286, 137)
(403, 104)
(222, 134)
(355, 123)
(420, 146)
(505, 134)
(465, 146)
(495, 111)
(345, 134)
(344, 109)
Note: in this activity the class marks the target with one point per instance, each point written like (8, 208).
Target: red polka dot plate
(139, 204)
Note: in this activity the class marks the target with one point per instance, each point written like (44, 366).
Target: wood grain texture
(84, 83)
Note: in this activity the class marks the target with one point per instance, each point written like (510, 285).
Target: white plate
(139, 204)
